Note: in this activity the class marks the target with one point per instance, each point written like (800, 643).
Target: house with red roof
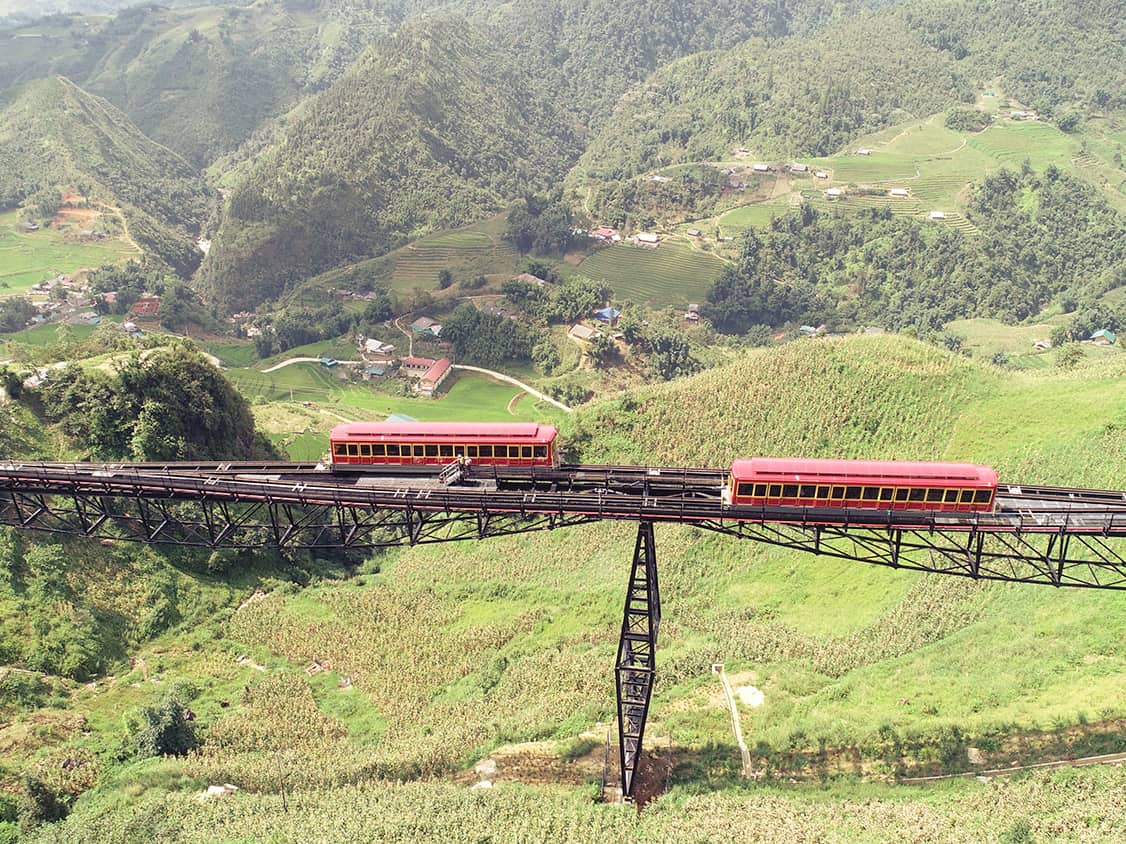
(429, 383)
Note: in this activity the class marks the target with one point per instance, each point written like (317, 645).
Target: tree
(40, 803)
(670, 354)
(545, 356)
(1069, 356)
(602, 351)
(167, 729)
(445, 279)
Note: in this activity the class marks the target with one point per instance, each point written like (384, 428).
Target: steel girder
(261, 524)
(637, 655)
(1082, 560)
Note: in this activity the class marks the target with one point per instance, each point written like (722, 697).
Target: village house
(821, 174)
(692, 313)
(30, 227)
(658, 179)
(530, 279)
(799, 168)
(761, 168)
(899, 192)
(864, 151)
(1104, 337)
(146, 306)
(426, 325)
(647, 239)
(1041, 345)
(130, 327)
(416, 367)
(607, 315)
(582, 332)
(605, 233)
(938, 215)
(433, 378)
(834, 193)
(693, 232)
(372, 346)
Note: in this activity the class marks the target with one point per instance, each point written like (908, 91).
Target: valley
(703, 231)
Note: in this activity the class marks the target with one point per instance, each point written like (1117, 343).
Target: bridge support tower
(637, 649)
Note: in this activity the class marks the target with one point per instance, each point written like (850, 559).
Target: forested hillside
(200, 80)
(1046, 236)
(432, 128)
(810, 96)
(55, 137)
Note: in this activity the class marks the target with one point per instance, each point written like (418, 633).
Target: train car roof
(812, 470)
(464, 430)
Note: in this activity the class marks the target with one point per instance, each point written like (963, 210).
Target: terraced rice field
(27, 258)
(757, 215)
(464, 253)
(672, 274)
(1011, 143)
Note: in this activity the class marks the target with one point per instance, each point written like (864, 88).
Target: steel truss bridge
(1052, 536)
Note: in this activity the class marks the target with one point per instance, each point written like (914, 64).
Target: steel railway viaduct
(1052, 536)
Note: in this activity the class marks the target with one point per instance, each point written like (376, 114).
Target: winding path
(500, 376)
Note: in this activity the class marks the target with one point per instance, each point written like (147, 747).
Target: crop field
(27, 258)
(1011, 143)
(672, 274)
(757, 215)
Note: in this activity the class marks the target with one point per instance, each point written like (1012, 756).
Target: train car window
(378, 450)
(340, 450)
(431, 451)
(526, 451)
(871, 493)
(540, 451)
(446, 450)
(471, 450)
(983, 496)
(852, 492)
(392, 449)
(775, 490)
(823, 493)
(807, 491)
(934, 495)
(485, 451)
(901, 494)
(759, 490)
(951, 496)
(419, 451)
(790, 491)
(917, 494)
(967, 496)
(837, 493)
(353, 450)
(365, 450)
(459, 451)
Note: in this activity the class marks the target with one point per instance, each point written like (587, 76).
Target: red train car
(876, 484)
(358, 445)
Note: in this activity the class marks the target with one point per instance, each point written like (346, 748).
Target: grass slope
(672, 274)
(449, 651)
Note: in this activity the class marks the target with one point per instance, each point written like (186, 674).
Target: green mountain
(200, 80)
(810, 96)
(430, 129)
(55, 136)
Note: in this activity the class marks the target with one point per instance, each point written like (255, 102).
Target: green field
(672, 274)
(27, 258)
(758, 215)
(938, 166)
